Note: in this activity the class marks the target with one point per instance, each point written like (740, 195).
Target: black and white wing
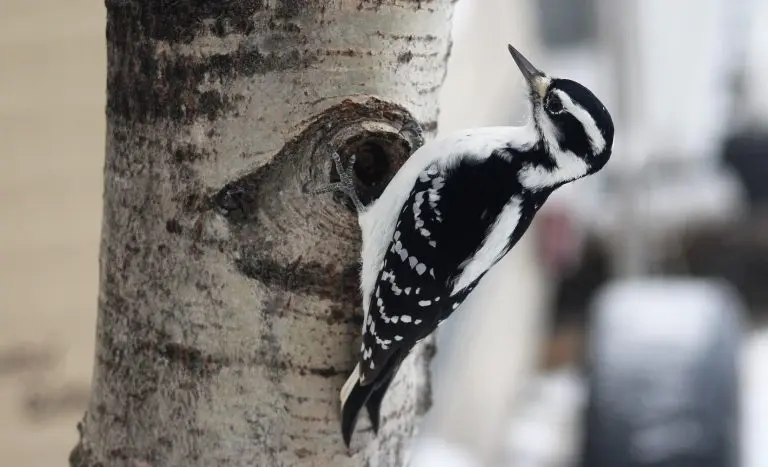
(441, 227)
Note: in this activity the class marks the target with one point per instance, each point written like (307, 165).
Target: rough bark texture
(229, 311)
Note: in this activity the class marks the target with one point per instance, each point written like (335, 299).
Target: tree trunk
(229, 310)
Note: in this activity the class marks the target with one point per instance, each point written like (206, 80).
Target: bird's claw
(413, 127)
(346, 183)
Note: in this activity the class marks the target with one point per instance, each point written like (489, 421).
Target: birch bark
(228, 312)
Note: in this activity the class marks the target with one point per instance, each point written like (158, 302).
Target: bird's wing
(442, 224)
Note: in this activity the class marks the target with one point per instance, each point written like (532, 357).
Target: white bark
(228, 309)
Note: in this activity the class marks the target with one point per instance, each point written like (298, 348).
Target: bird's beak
(536, 79)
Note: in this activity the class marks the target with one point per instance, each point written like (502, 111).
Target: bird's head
(573, 124)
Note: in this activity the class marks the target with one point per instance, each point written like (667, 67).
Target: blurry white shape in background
(685, 77)
(545, 431)
(432, 451)
(673, 194)
(755, 400)
(755, 101)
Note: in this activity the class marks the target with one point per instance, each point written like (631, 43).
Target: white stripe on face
(596, 139)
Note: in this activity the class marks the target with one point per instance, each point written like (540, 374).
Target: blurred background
(52, 127)
(625, 329)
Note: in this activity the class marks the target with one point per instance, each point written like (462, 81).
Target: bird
(451, 212)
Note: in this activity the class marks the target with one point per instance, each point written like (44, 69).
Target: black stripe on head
(572, 136)
(584, 98)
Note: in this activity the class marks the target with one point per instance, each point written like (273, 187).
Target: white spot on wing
(425, 302)
(405, 318)
(403, 254)
(421, 268)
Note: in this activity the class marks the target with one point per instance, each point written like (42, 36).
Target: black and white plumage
(453, 210)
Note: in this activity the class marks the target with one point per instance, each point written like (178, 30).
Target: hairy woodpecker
(451, 212)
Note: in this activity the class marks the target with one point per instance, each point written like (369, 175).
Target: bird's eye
(553, 104)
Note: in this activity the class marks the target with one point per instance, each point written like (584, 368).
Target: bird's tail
(353, 398)
(373, 405)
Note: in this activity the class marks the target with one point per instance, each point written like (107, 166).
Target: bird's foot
(346, 183)
(413, 127)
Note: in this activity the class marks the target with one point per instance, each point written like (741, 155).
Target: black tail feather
(373, 405)
(359, 396)
(350, 410)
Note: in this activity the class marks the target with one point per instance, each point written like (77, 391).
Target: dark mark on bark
(183, 20)
(238, 200)
(211, 103)
(328, 372)
(185, 154)
(173, 226)
(271, 354)
(250, 61)
(189, 357)
(196, 203)
(407, 37)
(430, 90)
(405, 57)
(291, 8)
(283, 26)
(312, 278)
(430, 126)
(301, 453)
(339, 53)
(146, 85)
